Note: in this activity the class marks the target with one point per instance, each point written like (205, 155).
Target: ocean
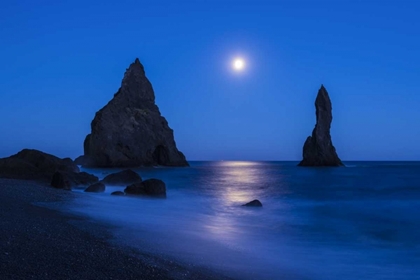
(357, 222)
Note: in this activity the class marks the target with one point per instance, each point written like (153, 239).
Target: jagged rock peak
(318, 149)
(136, 66)
(135, 84)
(130, 130)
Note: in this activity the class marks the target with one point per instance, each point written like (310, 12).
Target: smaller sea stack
(318, 149)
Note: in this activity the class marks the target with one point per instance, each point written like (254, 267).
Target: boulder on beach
(83, 179)
(318, 149)
(125, 177)
(97, 188)
(118, 193)
(69, 180)
(81, 160)
(254, 203)
(60, 181)
(150, 187)
(130, 130)
(34, 165)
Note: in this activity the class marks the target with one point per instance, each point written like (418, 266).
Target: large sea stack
(318, 149)
(130, 131)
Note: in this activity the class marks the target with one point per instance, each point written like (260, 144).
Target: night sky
(62, 62)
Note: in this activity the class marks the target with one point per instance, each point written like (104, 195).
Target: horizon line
(352, 160)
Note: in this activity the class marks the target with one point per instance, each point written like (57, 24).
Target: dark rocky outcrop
(82, 160)
(69, 180)
(254, 203)
(97, 188)
(134, 189)
(34, 165)
(150, 187)
(125, 177)
(130, 131)
(82, 179)
(154, 187)
(118, 193)
(40, 166)
(60, 181)
(318, 149)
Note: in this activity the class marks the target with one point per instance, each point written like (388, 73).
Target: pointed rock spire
(129, 130)
(318, 149)
(136, 85)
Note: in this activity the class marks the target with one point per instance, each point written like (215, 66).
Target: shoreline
(39, 242)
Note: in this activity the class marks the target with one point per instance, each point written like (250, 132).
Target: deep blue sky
(61, 62)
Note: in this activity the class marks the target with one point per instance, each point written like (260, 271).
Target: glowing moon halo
(238, 64)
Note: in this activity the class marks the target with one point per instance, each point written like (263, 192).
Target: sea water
(357, 222)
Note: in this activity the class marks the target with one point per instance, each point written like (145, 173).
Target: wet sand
(40, 243)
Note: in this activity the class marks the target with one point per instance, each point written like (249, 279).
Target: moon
(238, 64)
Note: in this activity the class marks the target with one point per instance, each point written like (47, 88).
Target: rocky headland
(39, 166)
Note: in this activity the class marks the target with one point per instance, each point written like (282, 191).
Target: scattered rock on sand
(97, 188)
(81, 160)
(60, 181)
(151, 187)
(154, 187)
(135, 189)
(125, 177)
(118, 193)
(254, 203)
(69, 180)
(83, 179)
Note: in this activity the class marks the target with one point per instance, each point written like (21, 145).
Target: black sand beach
(40, 243)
